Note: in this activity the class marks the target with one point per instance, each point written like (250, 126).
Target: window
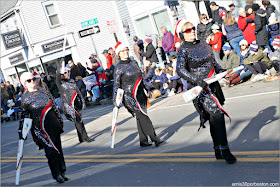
(52, 14)
(161, 18)
(143, 24)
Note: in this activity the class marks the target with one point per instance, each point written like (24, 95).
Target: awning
(55, 55)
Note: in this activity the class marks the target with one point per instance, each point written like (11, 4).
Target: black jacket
(260, 29)
(150, 53)
(203, 30)
(269, 10)
(216, 17)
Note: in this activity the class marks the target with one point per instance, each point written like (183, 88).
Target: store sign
(89, 31)
(12, 39)
(54, 45)
(16, 58)
(89, 22)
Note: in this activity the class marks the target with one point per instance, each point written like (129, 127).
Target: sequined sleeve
(81, 97)
(181, 66)
(24, 111)
(58, 75)
(117, 82)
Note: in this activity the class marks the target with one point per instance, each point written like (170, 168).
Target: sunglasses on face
(29, 80)
(189, 30)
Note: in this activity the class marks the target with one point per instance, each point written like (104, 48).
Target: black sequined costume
(72, 103)
(128, 76)
(47, 125)
(195, 63)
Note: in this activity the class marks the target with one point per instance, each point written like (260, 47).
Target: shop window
(52, 14)
(143, 24)
(161, 18)
(21, 68)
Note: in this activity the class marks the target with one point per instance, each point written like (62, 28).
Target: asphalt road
(185, 159)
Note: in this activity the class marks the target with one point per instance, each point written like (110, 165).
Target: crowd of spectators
(247, 36)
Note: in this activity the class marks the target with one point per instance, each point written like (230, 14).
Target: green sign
(89, 22)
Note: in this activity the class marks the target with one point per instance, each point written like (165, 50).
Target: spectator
(150, 53)
(53, 87)
(260, 29)
(114, 56)
(249, 11)
(233, 33)
(10, 90)
(231, 59)
(272, 28)
(4, 98)
(216, 43)
(275, 56)
(245, 73)
(94, 65)
(173, 77)
(216, 13)
(257, 62)
(247, 25)
(138, 46)
(75, 70)
(158, 81)
(167, 42)
(109, 59)
(269, 8)
(148, 75)
(157, 45)
(102, 83)
(234, 11)
(204, 27)
(83, 70)
(44, 78)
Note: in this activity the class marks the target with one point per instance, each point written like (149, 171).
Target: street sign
(89, 31)
(112, 26)
(89, 22)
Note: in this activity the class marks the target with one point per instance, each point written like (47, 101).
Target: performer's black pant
(81, 130)
(55, 160)
(218, 129)
(145, 127)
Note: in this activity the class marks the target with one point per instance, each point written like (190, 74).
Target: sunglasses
(29, 80)
(189, 30)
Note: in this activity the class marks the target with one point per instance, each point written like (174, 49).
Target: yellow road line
(265, 159)
(157, 155)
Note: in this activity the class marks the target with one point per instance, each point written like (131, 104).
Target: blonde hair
(229, 19)
(201, 16)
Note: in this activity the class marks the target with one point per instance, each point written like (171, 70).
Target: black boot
(59, 179)
(65, 177)
(145, 144)
(158, 142)
(218, 153)
(225, 154)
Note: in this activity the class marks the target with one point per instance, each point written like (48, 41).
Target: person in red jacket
(109, 58)
(247, 25)
(216, 42)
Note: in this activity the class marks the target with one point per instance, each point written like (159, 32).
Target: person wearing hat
(216, 42)
(196, 62)
(128, 76)
(109, 58)
(72, 101)
(257, 62)
(272, 28)
(149, 51)
(231, 59)
(275, 56)
(216, 13)
(243, 73)
(260, 27)
(248, 10)
(47, 125)
(246, 25)
(234, 10)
